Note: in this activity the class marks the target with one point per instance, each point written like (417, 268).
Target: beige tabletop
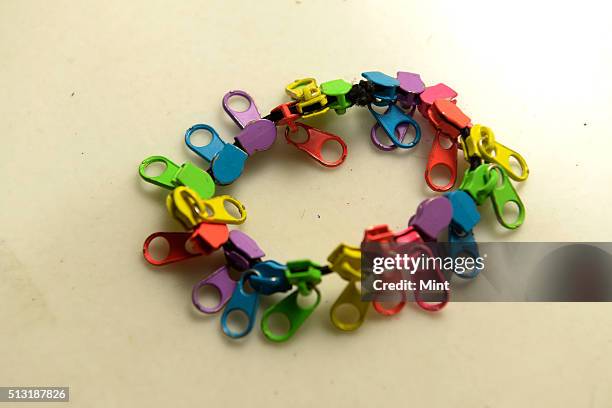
(88, 89)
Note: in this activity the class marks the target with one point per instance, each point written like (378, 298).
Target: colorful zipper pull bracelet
(205, 217)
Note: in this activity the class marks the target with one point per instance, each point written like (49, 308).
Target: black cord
(361, 94)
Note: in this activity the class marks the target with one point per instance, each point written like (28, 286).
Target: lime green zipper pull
(188, 175)
(502, 194)
(290, 308)
(163, 180)
(304, 274)
(479, 183)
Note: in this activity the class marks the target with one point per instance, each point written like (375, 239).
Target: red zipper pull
(313, 145)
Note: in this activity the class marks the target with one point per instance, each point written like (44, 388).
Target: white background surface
(89, 89)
